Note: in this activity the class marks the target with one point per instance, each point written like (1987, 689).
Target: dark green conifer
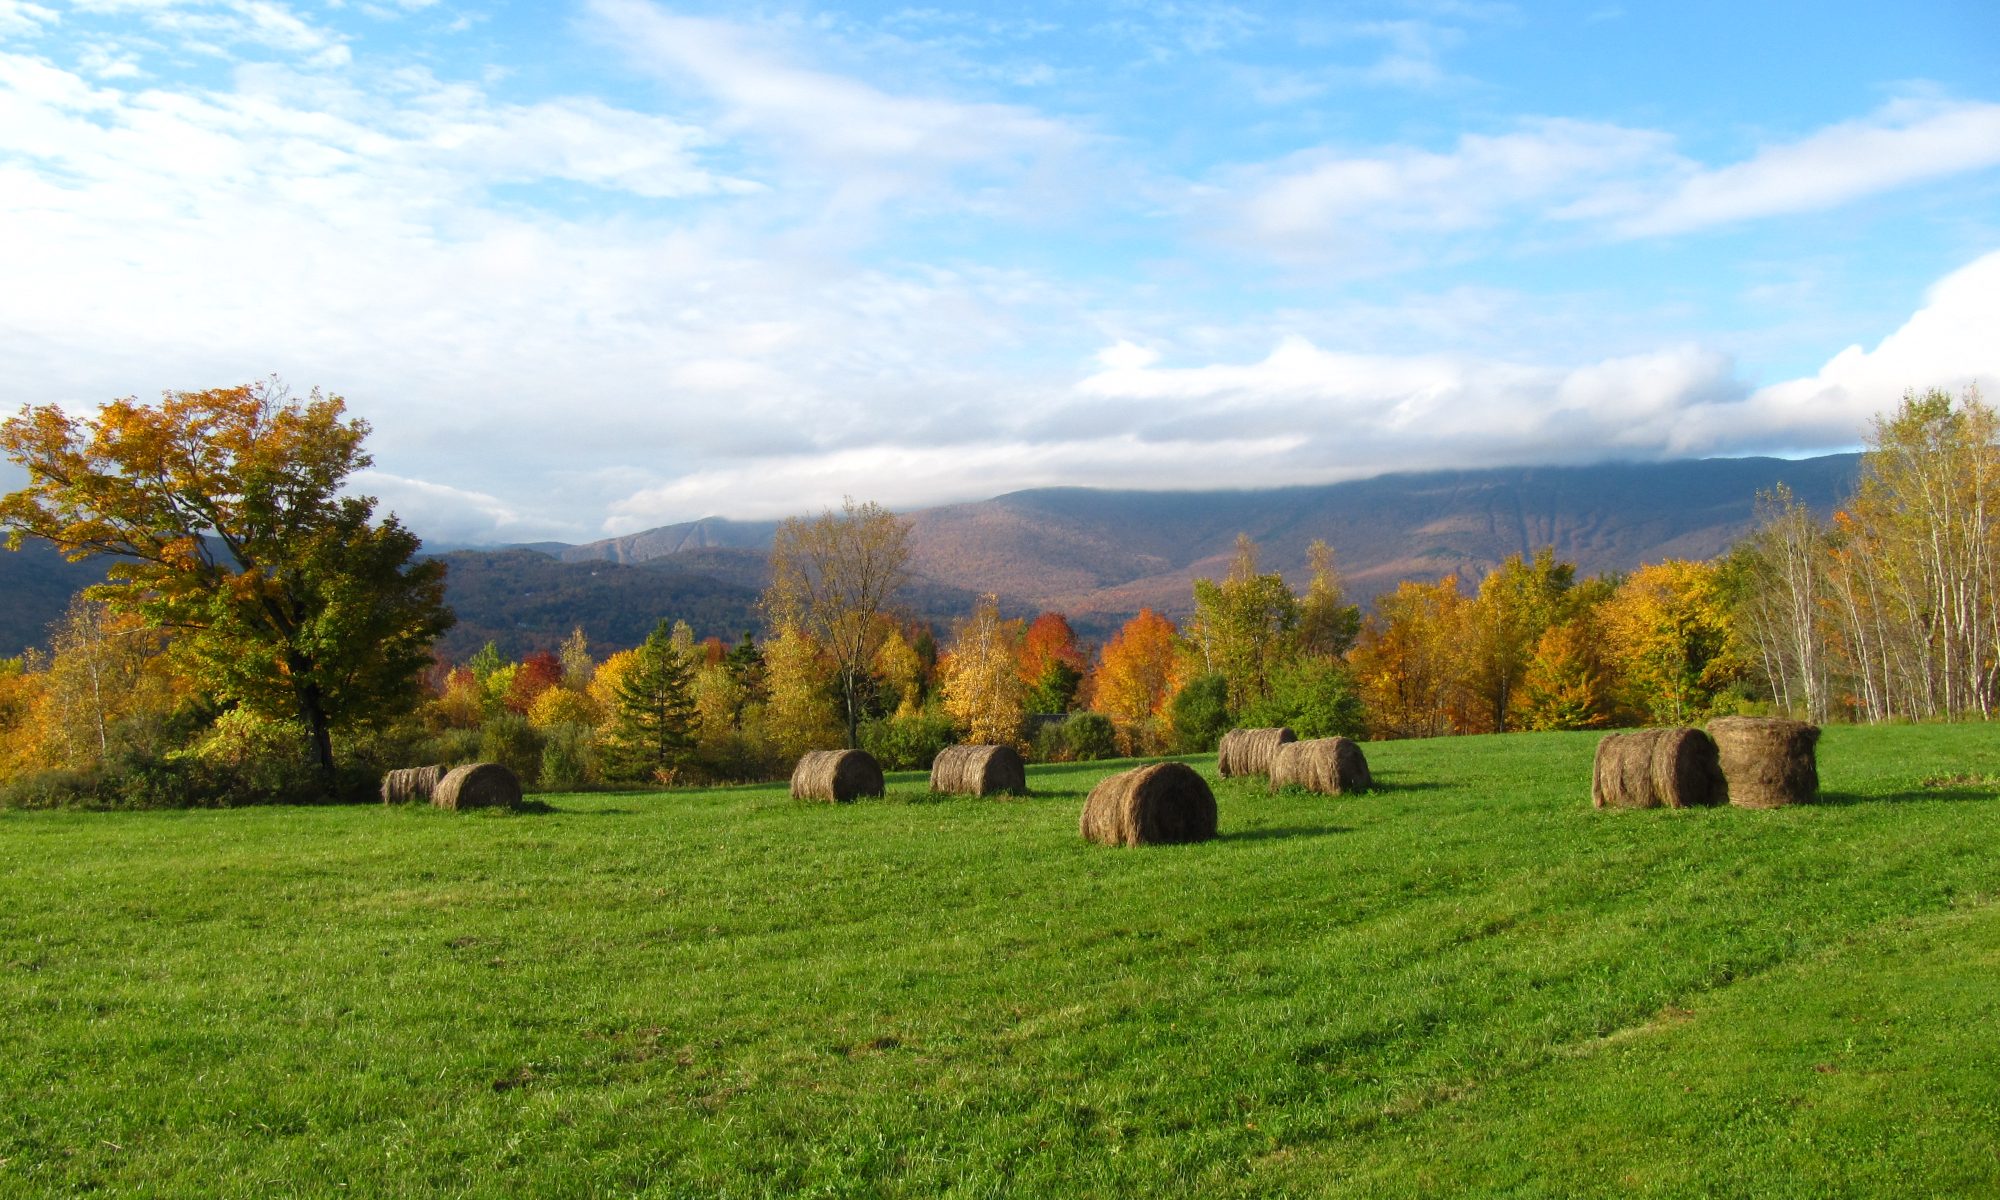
(652, 726)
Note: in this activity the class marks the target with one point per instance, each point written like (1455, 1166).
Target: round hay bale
(1767, 762)
(836, 776)
(480, 785)
(1249, 751)
(1330, 766)
(411, 785)
(1146, 806)
(1651, 768)
(978, 771)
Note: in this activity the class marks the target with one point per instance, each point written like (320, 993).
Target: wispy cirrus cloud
(21, 18)
(220, 28)
(867, 143)
(1573, 178)
(1905, 143)
(1319, 202)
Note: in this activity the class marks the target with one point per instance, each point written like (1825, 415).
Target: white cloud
(18, 18)
(1949, 343)
(216, 27)
(903, 475)
(344, 236)
(1610, 180)
(870, 143)
(1357, 413)
(1319, 203)
(1125, 356)
(1906, 143)
(452, 516)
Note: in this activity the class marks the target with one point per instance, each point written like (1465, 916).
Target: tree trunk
(312, 710)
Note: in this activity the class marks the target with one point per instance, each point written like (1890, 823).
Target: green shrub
(568, 757)
(55, 789)
(507, 738)
(739, 756)
(1314, 698)
(908, 743)
(1047, 743)
(1200, 714)
(448, 747)
(1090, 736)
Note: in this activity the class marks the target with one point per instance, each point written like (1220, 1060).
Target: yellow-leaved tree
(1668, 632)
(801, 714)
(902, 668)
(1412, 663)
(982, 681)
(1565, 683)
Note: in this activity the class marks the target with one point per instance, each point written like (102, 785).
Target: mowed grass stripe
(731, 993)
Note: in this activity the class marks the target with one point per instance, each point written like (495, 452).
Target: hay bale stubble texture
(480, 785)
(1146, 806)
(836, 776)
(1652, 768)
(411, 785)
(978, 771)
(1767, 762)
(1331, 766)
(1249, 751)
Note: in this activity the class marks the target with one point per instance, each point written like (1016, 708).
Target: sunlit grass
(1467, 982)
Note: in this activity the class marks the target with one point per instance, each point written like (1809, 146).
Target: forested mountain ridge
(1097, 555)
(1100, 555)
(1083, 551)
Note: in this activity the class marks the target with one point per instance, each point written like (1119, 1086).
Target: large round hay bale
(1249, 751)
(411, 785)
(1767, 762)
(978, 771)
(836, 776)
(480, 785)
(1163, 803)
(1331, 766)
(1651, 768)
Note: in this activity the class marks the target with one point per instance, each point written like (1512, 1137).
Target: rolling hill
(1100, 555)
(1096, 555)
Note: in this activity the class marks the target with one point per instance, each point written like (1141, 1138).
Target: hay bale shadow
(1948, 793)
(1387, 783)
(1279, 832)
(528, 808)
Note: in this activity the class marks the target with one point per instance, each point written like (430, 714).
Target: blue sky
(591, 268)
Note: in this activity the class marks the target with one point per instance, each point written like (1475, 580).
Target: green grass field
(1466, 983)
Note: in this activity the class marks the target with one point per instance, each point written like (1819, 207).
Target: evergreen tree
(653, 713)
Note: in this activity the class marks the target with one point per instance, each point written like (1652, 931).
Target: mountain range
(1095, 555)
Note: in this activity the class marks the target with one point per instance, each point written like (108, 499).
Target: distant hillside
(522, 600)
(1096, 555)
(1085, 551)
(1101, 555)
(710, 533)
(35, 586)
(519, 599)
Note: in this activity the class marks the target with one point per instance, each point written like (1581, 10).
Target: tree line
(264, 637)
